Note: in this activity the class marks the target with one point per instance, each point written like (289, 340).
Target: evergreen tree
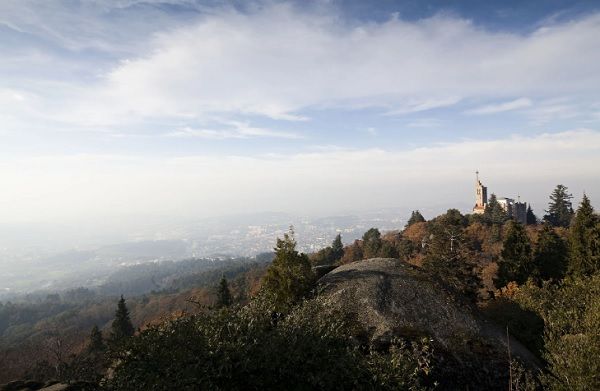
(584, 240)
(289, 278)
(388, 250)
(560, 209)
(371, 243)
(494, 213)
(96, 341)
(415, 217)
(448, 258)
(550, 255)
(531, 218)
(224, 297)
(337, 248)
(121, 327)
(515, 262)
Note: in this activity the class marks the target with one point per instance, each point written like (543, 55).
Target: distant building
(520, 212)
(516, 210)
(506, 204)
(480, 196)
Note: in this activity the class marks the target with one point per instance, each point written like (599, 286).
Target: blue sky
(181, 107)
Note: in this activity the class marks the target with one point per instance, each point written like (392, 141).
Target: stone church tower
(480, 196)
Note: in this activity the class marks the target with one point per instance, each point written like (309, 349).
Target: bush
(255, 348)
(571, 314)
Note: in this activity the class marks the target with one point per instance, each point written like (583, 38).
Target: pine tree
(560, 209)
(371, 243)
(531, 218)
(494, 213)
(337, 248)
(448, 258)
(550, 255)
(96, 341)
(515, 262)
(224, 297)
(289, 278)
(584, 240)
(415, 217)
(121, 327)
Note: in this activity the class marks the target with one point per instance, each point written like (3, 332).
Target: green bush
(253, 348)
(571, 314)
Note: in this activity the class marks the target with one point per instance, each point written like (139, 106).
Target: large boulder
(392, 298)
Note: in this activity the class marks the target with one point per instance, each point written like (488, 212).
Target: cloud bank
(280, 61)
(92, 187)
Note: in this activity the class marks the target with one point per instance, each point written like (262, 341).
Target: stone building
(480, 196)
(516, 210)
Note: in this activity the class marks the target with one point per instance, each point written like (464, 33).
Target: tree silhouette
(584, 240)
(560, 209)
(96, 341)
(550, 255)
(494, 213)
(337, 248)
(515, 262)
(289, 278)
(371, 243)
(415, 217)
(224, 297)
(121, 326)
(531, 218)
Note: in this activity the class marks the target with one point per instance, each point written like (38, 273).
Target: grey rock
(392, 298)
(56, 387)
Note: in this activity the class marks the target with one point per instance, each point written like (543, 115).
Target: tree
(371, 243)
(330, 254)
(289, 279)
(560, 209)
(121, 326)
(550, 255)
(531, 218)
(448, 258)
(571, 337)
(224, 297)
(337, 248)
(494, 213)
(415, 217)
(352, 253)
(96, 341)
(584, 240)
(515, 262)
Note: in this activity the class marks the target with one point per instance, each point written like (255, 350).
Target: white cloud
(236, 129)
(323, 181)
(415, 105)
(425, 123)
(279, 61)
(516, 104)
(554, 109)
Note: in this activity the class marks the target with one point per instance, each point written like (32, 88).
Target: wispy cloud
(244, 65)
(415, 106)
(516, 104)
(425, 123)
(237, 130)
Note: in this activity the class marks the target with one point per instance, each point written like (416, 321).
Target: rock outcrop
(391, 298)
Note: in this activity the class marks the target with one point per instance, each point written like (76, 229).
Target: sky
(129, 110)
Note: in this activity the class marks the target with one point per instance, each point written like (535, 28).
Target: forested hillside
(258, 324)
